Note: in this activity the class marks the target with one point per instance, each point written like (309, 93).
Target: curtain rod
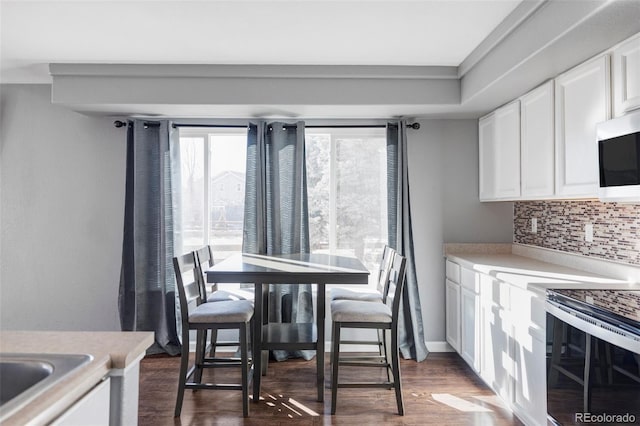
(414, 126)
(119, 123)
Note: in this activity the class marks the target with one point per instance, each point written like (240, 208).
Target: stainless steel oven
(593, 361)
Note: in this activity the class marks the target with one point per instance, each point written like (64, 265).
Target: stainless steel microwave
(619, 158)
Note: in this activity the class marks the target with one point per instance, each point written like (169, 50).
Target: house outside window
(213, 164)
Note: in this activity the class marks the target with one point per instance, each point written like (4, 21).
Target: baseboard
(437, 346)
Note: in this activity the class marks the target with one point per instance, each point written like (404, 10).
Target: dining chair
(205, 260)
(199, 316)
(341, 293)
(216, 294)
(370, 315)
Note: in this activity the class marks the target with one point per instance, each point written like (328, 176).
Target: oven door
(589, 379)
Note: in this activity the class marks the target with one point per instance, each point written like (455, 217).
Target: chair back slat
(383, 272)
(396, 283)
(204, 259)
(188, 283)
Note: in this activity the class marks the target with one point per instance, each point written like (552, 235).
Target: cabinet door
(496, 356)
(582, 101)
(529, 323)
(488, 161)
(507, 145)
(92, 409)
(469, 339)
(537, 142)
(452, 296)
(452, 271)
(626, 76)
(530, 387)
(499, 137)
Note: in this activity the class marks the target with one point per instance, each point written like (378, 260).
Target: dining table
(300, 268)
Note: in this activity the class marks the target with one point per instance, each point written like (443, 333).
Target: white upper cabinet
(582, 100)
(499, 135)
(508, 145)
(486, 134)
(537, 142)
(543, 145)
(626, 76)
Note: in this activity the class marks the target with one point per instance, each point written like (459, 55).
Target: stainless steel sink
(23, 377)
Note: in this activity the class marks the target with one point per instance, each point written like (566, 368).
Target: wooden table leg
(257, 339)
(265, 321)
(320, 314)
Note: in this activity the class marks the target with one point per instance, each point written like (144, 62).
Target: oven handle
(594, 327)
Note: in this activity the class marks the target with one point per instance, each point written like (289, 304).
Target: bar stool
(204, 260)
(340, 293)
(371, 315)
(233, 314)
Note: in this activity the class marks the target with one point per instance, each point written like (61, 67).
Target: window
(212, 164)
(347, 190)
(346, 186)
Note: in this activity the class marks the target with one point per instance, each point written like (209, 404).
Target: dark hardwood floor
(442, 390)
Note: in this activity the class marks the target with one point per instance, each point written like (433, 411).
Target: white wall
(62, 201)
(443, 178)
(62, 188)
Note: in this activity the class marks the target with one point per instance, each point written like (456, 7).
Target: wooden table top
(301, 267)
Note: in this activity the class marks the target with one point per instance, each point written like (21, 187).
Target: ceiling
(301, 32)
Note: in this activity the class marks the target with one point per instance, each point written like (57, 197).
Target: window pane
(192, 193)
(347, 191)
(228, 152)
(317, 148)
(361, 198)
(212, 172)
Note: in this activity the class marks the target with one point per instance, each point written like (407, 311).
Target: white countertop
(535, 274)
(110, 350)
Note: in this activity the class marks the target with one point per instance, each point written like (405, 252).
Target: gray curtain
(410, 327)
(275, 216)
(147, 283)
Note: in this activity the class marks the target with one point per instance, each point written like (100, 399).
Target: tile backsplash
(561, 226)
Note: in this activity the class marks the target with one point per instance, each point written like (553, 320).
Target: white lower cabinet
(470, 317)
(497, 360)
(530, 385)
(470, 336)
(502, 337)
(91, 410)
(452, 296)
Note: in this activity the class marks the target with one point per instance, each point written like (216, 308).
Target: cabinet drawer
(503, 295)
(494, 292)
(452, 271)
(470, 280)
(528, 309)
(538, 312)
